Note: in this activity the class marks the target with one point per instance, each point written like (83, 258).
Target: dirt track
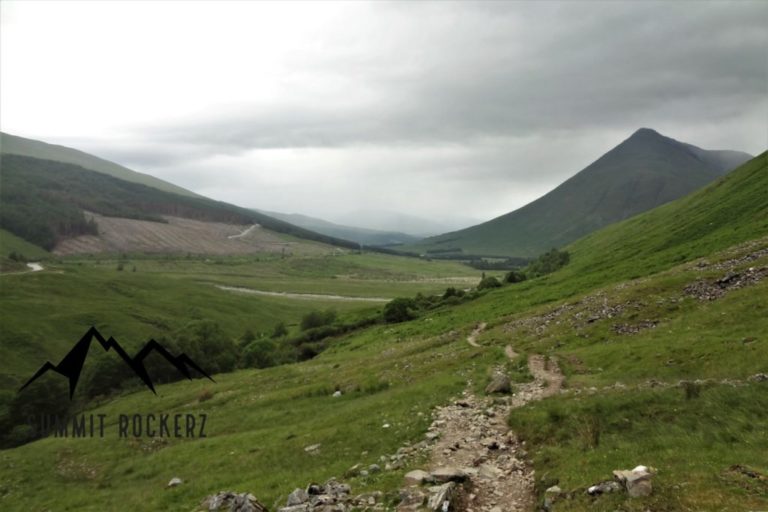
(474, 436)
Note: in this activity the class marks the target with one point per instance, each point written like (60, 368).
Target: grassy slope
(10, 243)
(11, 144)
(164, 294)
(261, 420)
(641, 173)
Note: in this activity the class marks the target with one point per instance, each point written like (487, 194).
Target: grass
(693, 443)
(163, 295)
(260, 423)
(10, 243)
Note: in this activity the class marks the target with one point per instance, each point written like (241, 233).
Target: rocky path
(473, 439)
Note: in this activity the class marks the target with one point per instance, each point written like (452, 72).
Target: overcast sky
(434, 109)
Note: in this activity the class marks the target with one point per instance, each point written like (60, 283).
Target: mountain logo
(72, 364)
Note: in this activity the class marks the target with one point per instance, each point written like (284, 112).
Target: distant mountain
(372, 237)
(645, 171)
(384, 220)
(13, 145)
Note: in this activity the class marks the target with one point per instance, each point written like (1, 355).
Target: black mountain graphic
(72, 364)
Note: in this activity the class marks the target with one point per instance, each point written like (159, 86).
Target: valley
(657, 324)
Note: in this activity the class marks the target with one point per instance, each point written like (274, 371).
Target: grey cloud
(460, 74)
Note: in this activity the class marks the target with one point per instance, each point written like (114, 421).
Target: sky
(448, 110)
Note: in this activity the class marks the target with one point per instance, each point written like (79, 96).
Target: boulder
(175, 481)
(499, 384)
(448, 474)
(228, 501)
(411, 498)
(418, 477)
(637, 482)
(297, 497)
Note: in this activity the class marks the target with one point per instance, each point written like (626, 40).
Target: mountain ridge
(22, 146)
(644, 171)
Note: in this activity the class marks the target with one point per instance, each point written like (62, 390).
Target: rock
(336, 394)
(449, 474)
(306, 507)
(353, 471)
(431, 436)
(418, 477)
(759, 377)
(604, 488)
(297, 497)
(637, 482)
(499, 384)
(312, 448)
(441, 497)
(374, 468)
(229, 501)
(551, 495)
(175, 481)
(411, 498)
(386, 425)
(363, 473)
(489, 472)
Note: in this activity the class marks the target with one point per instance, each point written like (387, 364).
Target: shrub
(453, 292)
(280, 330)
(515, 276)
(488, 283)
(315, 319)
(400, 309)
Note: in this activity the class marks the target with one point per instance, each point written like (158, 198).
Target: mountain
(71, 365)
(371, 237)
(645, 171)
(67, 208)
(384, 220)
(14, 145)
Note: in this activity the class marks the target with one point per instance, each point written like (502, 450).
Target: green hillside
(644, 171)
(42, 201)
(11, 243)
(14, 145)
